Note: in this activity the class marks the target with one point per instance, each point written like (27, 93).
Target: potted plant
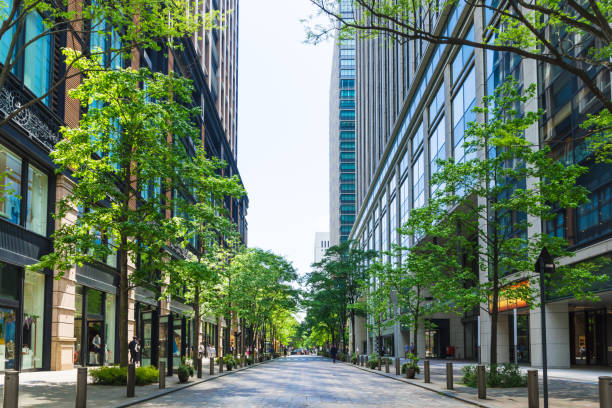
(229, 361)
(184, 372)
(411, 367)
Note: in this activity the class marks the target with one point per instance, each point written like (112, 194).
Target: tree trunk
(196, 325)
(123, 304)
(494, 315)
(354, 350)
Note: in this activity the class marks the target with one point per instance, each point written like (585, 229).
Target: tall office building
(342, 138)
(414, 102)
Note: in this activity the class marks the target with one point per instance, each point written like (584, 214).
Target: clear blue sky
(283, 126)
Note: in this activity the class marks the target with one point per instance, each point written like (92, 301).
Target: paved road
(303, 381)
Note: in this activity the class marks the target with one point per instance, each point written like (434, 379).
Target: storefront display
(176, 342)
(33, 320)
(109, 329)
(7, 338)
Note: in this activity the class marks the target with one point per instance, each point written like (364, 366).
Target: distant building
(321, 244)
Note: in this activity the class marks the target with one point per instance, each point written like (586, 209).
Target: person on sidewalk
(132, 348)
(333, 351)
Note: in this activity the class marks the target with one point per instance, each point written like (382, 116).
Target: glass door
(94, 344)
(147, 328)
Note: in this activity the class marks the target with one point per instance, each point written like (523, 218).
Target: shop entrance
(94, 335)
(588, 343)
(437, 337)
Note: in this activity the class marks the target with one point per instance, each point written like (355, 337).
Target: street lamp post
(544, 265)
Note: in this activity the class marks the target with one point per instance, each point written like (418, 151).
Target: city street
(303, 381)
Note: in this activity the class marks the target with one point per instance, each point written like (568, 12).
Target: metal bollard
(199, 367)
(533, 393)
(131, 380)
(361, 359)
(162, 375)
(449, 376)
(212, 366)
(387, 365)
(426, 376)
(482, 382)
(11, 389)
(605, 392)
(398, 369)
(220, 365)
(81, 387)
(379, 362)
(366, 362)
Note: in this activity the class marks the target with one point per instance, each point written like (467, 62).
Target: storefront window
(7, 338)
(109, 329)
(10, 174)
(38, 184)
(94, 327)
(33, 315)
(176, 342)
(78, 324)
(147, 327)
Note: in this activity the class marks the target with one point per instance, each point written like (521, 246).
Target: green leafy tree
(377, 301)
(136, 24)
(261, 290)
(121, 159)
(571, 36)
(485, 207)
(207, 236)
(340, 273)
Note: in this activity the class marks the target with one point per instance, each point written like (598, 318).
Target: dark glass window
(8, 281)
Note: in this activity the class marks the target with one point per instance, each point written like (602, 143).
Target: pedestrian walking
(333, 351)
(133, 352)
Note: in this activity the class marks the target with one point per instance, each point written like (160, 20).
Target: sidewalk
(567, 388)
(58, 389)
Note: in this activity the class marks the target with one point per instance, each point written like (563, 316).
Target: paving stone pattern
(303, 381)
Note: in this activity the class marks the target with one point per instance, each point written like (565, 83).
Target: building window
(347, 177)
(463, 57)
(347, 146)
(347, 83)
(5, 41)
(347, 53)
(347, 187)
(347, 208)
(37, 66)
(347, 125)
(347, 156)
(347, 93)
(347, 104)
(347, 72)
(347, 63)
(10, 170)
(463, 103)
(595, 217)
(347, 135)
(437, 149)
(418, 181)
(347, 114)
(38, 187)
(347, 219)
(347, 197)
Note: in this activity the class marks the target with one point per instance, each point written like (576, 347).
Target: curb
(423, 386)
(183, 386)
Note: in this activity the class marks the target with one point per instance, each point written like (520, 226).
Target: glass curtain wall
(33, 320)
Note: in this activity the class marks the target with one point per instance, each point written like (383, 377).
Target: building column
(557, 336)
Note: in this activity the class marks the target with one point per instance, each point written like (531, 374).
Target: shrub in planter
(373, 361)
(276, 355)
(412, 366)
(229, 361)
(505, 376)
(183, 373)
(115, 375)
(354, 358)
(250, 360)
